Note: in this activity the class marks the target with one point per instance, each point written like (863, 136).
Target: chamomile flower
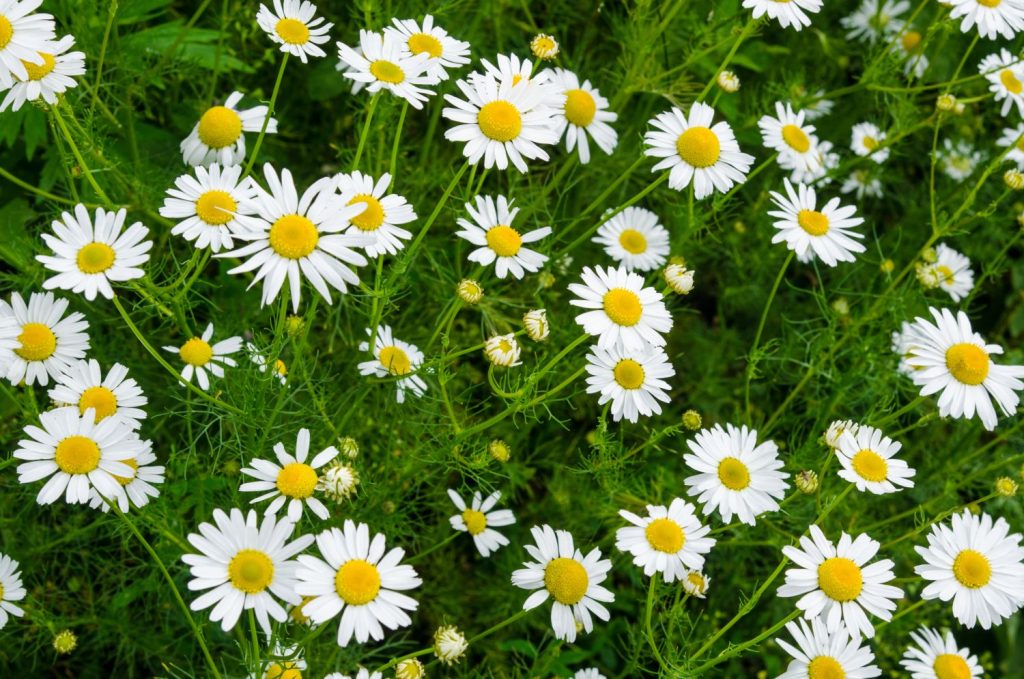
(219, 136)
(479, 519)
(573, 582)
(276, 367)
(789, 13)
(291, 480)
(635, 239)
(865, 140)
(510, 68)
(359, 580)
(793, 139)
(89, 254)
(23, 35)
(338, 482)
(975, 562)
(383, 213)
(1013, 137)
(393, 358)
(503, 350)
(735, 475)
(695, 151)
(206, 206)
(678, 278)
(139, 486)
(588, 673)
(83, 385)
(992, 18)
(583, 114)
(200, 356)
(293, 24)
(622, 312)
(825, 234)
(445, 52)
(497, 240)
(820, 652)
(913, 51)
(834, 434)
(938, 657)
(875, 20)
(958, 159)
(633, 380)
(535, 322)
(294, 238)
(669, 540)
(11, 589)
(862, 184)
(384, 62)
(953, 359)
(836, 583)
(245, 563)
(46, 81)
(450, 644)
(951, 271)
(696, 583)
(904, 341)
(1005, 74)
(816, 173)
(37, 341)
(867, 457)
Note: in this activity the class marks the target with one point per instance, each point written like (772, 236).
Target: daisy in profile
(139, 486)
(89, 254)
(276, 367)
(290, 480)
(669, 540)
(383, 213)
(384, 62)
(573, 581)
(497, 240)
(76, 455)
(951, 271)
(862, 184)
(535, 322)
(866, 140)
(219, 136)
(793, 139)
(825, 234)
(789, 13)
(836, 583)
(583, 114)
(292, 237)
(338, 482)
(834, 434)
(293, 25)
(696, 583)
(875, 20)
(503, 350)
(206, 205)
(621, 311)
(396, 359)
(821, 653)
(11, 589)
(633, 380)
(25, 35)
(992, 18)
(975, 562)
(695, 151)
(588, 673)
(200, 356)
(937, 657)
(37, 341)
(245, 564)
(1013, 137)
(358, 578)
(635, 239)
(735, 475)
(479, 519)
(84, 386)
(950, 357)
(867, 457)
(1005, 75)
(55, 76)
(445, 52)
(958, 159)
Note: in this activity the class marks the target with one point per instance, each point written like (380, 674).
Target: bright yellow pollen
(1010, 81)
(286, 670)
(372, 217)
(475, 521)
(387, 71)
(504, 240)
(219, 127)
(251, 571)
(566, 580)
(297, 480)
(733, 474)
(951, 666)
(623, 306)
(665, 535)
(870, 143)
(39, 71)
(632, 241)
(37, 342)
(357, 582)
(6, 31)
(395, 360)
(699, 147)
(424, 42)
(95, 258)
(500, 121)
(972, 569)
(989, 3)
(580, 107)
(196, 352)
(796, 138)
(967, 362)
(292, 31)
(293, 236)
(813, 222)
(629, 374)
(870, 466)
(840, 579)
(280, 368)
(216, 207)
(100, 399)
(125, 480)
(77, 455)
(910, 40)
(823, 666)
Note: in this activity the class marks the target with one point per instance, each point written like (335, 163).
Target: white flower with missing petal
(393, 358)
(427, 38)
(497, 241)
(293, 24)
(292, 480)
(199, 356)
(219, 136)
(479, 519)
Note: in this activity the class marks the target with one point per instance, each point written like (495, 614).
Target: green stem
(747, 30)
(582, 238)
(648, 625)
(266, 119)
(255, 641)
(733, 651)
(366, 129)
(59, 119)
(448, 540)
(392, 168)
(411, 251)
(40, 192)
(752, 360)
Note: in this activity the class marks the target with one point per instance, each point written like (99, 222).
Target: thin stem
(747, 30)
(582, 238)
(436, 546)
(752, 360)
(40, 192)
(366, 129)
(648, 625)
(266, 118)
(411, 251)
(59, 119)
(736, 650)
(254, 639)
(392, 168)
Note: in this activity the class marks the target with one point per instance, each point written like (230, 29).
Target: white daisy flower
(913, 51)
(821, 653)
(535, 322)
(479, 519)
(825, 161)
(679, 278)
(825, 234)
(571, 580)
(1014, 138)
(993, 18)
(139, 486)
(199, 355)
(343, 67)
(396, 359)
(875, 20)
(291, 480)
(384, 62)
(951, 271)
(293, 24)
(694, 150)
(445, 51)
(55, 76)
(633, 380)
(294, 238)
(11, 589)
(206, 205)
(218, 136)
(950, 357)
(498, 241)
(276, 367)
(669, 540)
(862, 184)
(819, 107)
(511, 69)
(37, 341)
(90, 254)
(788, 13)
(834, 434)
(622, 311)
(83, 385)
(384, 211)
(735, 475)
(958, 160)
(938, 657)
(245, 564)
(868, 461)
(358, 579)
(696, 583)
(975, 562)
(635, 239)
(338, 482)
(793, 139)
(503, 350)
(1005, 73)
(583, 114)
(865, 141)
(23, 35)
(836, 583)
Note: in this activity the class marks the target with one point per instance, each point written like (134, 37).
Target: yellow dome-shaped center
(372, 217)
(699, 147)
(504, 240)
(951, 666)
(297, 480)
(395, 360)
(196, 352)
(813, 222)
(387, 71)
(632, 241)
(293, 236)
(870, 143)
(910, 40)
(100, 399)
(292, 31)
(39, 71)
(665, 535)
(968, 363)
(285, 670)
(125, 480)
(216, 207)
(825, 667)
(623, 306)
(251, 571)
(840, 579)
(972, 569)
(424, 42)
(870, 466)
(733, 474)
(580, 107)
(357, 582)
(629, 374)
(77, 455)
(475, 521)
(796, 138)
(1010, 81)
(500, 121)
(37, 342)
(566, 580)
(6, 31)
(95, 258)
(219, 127)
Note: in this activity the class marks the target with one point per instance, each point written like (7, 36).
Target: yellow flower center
(77, 455)
(989, 3)
(475, 521)
(566, 580)
(910, 40)
(665, 535)
(297, 614)
(696, 580)
(1010, 81)
(623, 306)
(840, 579)
(37, 342)
(543, 44)
(292, 31)
(946, 273)
(580, 107)
(733, 474)
(387, 71)
(395, 360)
(125, 480)
(825, 667)
(196, 351)
(95, 258)
(424, 42)
(285, 670)
(293, 236)
(504, 240)
(813, 222)
(372, 217)
(968, 363)
(216, 207)
(500, 121)
(251, 571)
(796, 138)
(280, 368)
(951, 666)
(972, 569)
(629, 374)
(297, 480)
(1, 586)
(6, 31)
(870, 466)
(357, 582)
(39, 71)
(219, 127)
(699, 147)
(101, 399)
(870, 143)
(633, 241)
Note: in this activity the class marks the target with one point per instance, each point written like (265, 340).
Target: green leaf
(15, 243)
(197, 46)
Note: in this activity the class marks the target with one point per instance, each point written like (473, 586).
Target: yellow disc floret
(77, 455)
(372, 217)
(796, 138)
(951, 666)
(1010, 81)
(125, 480)
(972, 569)
(825, 667)
(623, 306)
(37, 342)
(100, 399)
(293, 236)
(504, 240)
(292, 31)
(219, 127)
(251, 571)
(475, 521)
(629, 374)
(813, 222)
(40, 71)
(968, 363)
(216, 207)
(283, 670)
(632, 241)
(566, 580)
(297, 480)
(870, 466)
(733, 474)
(6, 31)
(95, 258)
(424, 42)
(357, 582)
(395, 360)
(196, 352)
(500, 121)
(665, 535)
(387, 71)
(699, 147)
(580, 107)
(840, 579)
